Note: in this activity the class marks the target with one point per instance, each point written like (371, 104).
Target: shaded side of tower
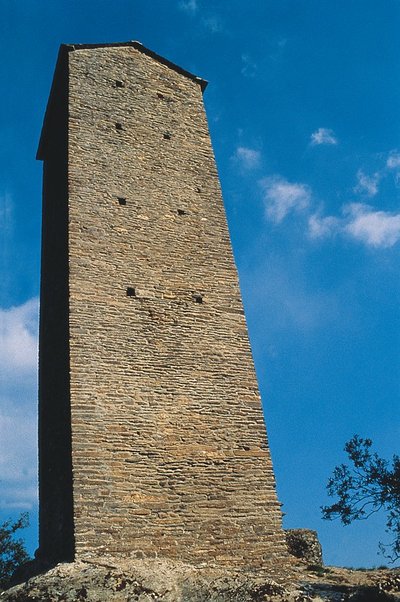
(152, 437)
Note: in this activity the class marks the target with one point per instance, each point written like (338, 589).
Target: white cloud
(374, 228)
(393, 165)
(189, 6)
(248, 157)
(360, 222)
(321, 227)
(18, 416)
(281, 197)
(368, 184)
(323, 136)
(393, 161)
(18, 458)
(18, 337)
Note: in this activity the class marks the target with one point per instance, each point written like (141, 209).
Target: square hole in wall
(181, 212)
(197, 298)
(122, 200)
(118, 126)
(130, 291)
(167, 136)
(119, 83)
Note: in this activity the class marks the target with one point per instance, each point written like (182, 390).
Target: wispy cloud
(278, 289)
(5, 212)
(393, 165)
(7, 242)
(18, 458)
(247, 157)
(374, 228)
(360, 222)
(322, 227)
(249, 66)
(393, 160)
(190, 6)
(368, 184)
(213, 24)
(356, 220)
(323, 136)
(18, 390)
(210, 22)
(282, 197)
(18, 337)
(277, 49)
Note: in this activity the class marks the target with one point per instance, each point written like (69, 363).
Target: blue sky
(303, 107)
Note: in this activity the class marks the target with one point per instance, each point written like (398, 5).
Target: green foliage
(369, 485)
(12, 550)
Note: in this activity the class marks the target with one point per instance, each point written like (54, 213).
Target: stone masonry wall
(169, 449)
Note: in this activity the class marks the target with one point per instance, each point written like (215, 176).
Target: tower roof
(65, 48)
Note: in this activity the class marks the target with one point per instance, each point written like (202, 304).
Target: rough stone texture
(170, 581)
(152, 378)
(304, 544)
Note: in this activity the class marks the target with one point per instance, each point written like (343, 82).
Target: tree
(369, 485)
(12, 551)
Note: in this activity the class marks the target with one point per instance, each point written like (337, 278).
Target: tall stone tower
(152, 438)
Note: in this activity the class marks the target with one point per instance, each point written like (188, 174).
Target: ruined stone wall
(304, 544)
(169, 449)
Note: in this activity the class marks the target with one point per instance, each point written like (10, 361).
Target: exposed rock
(304, 544)
(100, 580)
(104, 579)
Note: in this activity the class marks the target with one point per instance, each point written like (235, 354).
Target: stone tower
(152, 438)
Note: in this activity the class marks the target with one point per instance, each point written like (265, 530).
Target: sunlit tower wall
(152, 436)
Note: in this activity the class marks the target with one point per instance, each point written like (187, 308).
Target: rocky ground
(100, 580)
